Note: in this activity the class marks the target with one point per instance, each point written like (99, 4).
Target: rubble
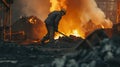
(106, 54)
(97, 50)
(31, 26)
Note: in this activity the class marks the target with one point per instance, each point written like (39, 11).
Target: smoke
(39, 8)
(94, 13)
(83, 15)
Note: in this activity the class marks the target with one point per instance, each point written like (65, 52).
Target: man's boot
(42, 41)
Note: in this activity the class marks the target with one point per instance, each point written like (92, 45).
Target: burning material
(32, 20)
(77, 20)
(73, 33)
(57, 4)
(32, 26)
(82, 17)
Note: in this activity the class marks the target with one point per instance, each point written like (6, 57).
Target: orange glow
(81, 19)
(32, 20)
(78, 21)
(57, 5)
(73, 32)
(57, 36)
(102, 26)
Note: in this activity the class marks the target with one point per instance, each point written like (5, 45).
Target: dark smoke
(39, 8)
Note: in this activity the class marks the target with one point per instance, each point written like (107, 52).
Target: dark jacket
(53, 18)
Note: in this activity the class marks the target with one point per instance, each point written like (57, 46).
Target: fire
(102, 26)
(57, 4)
(57, 36)
(32, 20)
(73, 32)
(82, 18)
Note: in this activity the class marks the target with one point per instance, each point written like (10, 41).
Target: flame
(78, 21)
(83, 16)
(73, 32)
(57, 5)
(57, 36)
(102, 26)
(32, 20)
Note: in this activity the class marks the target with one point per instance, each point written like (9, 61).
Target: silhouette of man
(52, 22)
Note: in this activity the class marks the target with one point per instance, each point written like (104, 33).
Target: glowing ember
(32, 20)
(57, 36)
(102, 26)
(73, 32)
(35, 41)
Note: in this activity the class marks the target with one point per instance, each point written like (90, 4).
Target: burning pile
(83, 17)
(32, 27)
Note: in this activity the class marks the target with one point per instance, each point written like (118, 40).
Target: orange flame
(78, 21)
(57, 36)
(73, 32)
(32, 20)
(57, 5)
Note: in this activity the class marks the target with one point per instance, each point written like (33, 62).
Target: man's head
(63, 11)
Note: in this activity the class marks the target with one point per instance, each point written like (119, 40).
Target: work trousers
(50, 34)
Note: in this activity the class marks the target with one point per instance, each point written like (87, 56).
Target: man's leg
(52, 33)
(46, 37)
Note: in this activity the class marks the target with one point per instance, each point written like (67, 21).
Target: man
(52, 22)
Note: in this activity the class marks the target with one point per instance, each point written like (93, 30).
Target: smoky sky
(39, 8)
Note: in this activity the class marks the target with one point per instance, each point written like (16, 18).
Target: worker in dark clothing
(52, 22)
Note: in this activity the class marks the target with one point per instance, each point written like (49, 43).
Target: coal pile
(15, 55)
(106, 54)
(97, 50)
(63, 42)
